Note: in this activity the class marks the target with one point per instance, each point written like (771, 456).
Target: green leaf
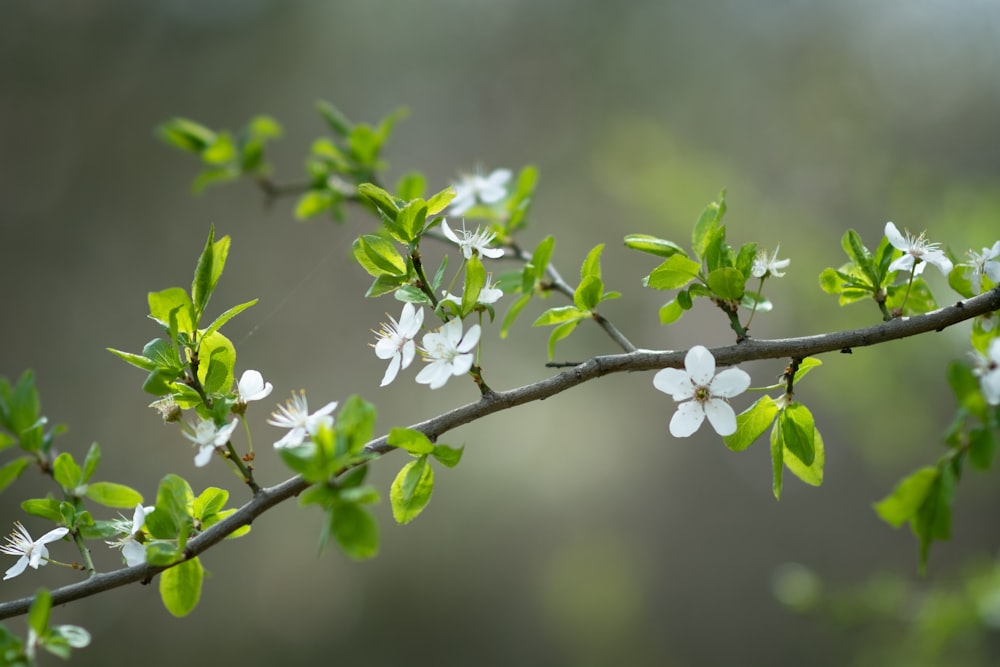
(180, 587)
(718, 254)
(209, 502)
(448, 456)
(588, 293)
(441, 200)
(653, 245)
(355, 530)
(519, 202)
(110, 494)
(511, 316)
(209, 269)
(805, 366)
(67, 472)
(811, 474)
(264, 127)
(475, 280)
(90, 462)
(959, 280)
(314, 202)
(172, 309)
(136, 360)
(38, 613)
(727, 283)
(163, 355)
(226, 316)
(171, 520)
(385, 284)
(355, 425)
(542, 256)
(751, 424)
(411, 440)
(218, 360)
(592, 263)
(777, 460)
(215, 176)
(859, 254)
(379, 256)
(744, 260)
(560, 315)
(830, 281)
(707, 224)
(411, 490)
(46, 508)
(671, 312)
(933, 519)
(186, 135)
(905, 500)
(410, 222)
(798, 432)
(221, 151)
(337, 121)
(12, 470)
(560, 332)
(982, 448)
(383, 201)
(674, 273)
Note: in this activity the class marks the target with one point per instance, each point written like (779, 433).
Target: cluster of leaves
(59, 640)
(867, 275)
(713, 269)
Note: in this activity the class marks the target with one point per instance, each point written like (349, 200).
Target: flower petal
(17, 568)
(729, 383)
(391, 371)
(675, 382)
(450, 235)
(471, 339)
(720, 416)
(700, 365)
(687, 419)
(895, 238)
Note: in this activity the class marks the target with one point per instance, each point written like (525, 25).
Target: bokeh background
(576, 531)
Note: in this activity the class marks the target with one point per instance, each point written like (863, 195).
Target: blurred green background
(576, 531)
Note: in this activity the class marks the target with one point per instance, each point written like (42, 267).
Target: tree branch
(639, 360)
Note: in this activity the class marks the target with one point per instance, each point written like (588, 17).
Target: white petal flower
(701, 393)
(476, 187)
(294, 416)
(133, 551)
(764, 266)
(208, 436)
(395, 341)
(985, 264)
(472, 242)
(915, 250)
(31, 552)
(988, 370)
(449, 353)
(252, 387)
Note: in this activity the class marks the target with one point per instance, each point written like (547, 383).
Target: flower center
(702, 394)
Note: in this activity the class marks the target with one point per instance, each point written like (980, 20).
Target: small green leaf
(411, 490)
(221, 151)
(560, 315)
(671, 312)
(905, 500)
(12, 470)
(777, 460)
(379, 256)
(982, 448)
(811, 474)
(384, 201)
(805, 366)
(592, 263)
(172, 305)
(355, 530)
(46, 508)
(965, 386)
(355, 425)
(337, 121)
(411, 440)
(209, 270)
(859, 254)
(588, 293)
(727, 283)
(751, 424)
(90, 462)
(798, 432)
(38, 613)
(226, 316)
(67, 472)
(411, 185)
(707, 223)
(180, 587)
(186, 135)
(830, 281)
(511, 316)
(410, 222)
(560, 332)
(475, 280)
(653, 245)
(440, 201)
(314, 203)
(674, 273)
(448, 456)
(111, 494)
(218, 360)
(136, 360)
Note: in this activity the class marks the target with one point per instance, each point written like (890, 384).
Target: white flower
(486, 189)
(395, 341)
(487, 295)
(984, 263)
(448, 353)
(703, 393)
(252, 387)
(472, 242)
(294, 415)
(918, 250)
(31, 552)
(764, 266)
(988, 370)
(133, 551)
(208, 436)
(167, 408)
